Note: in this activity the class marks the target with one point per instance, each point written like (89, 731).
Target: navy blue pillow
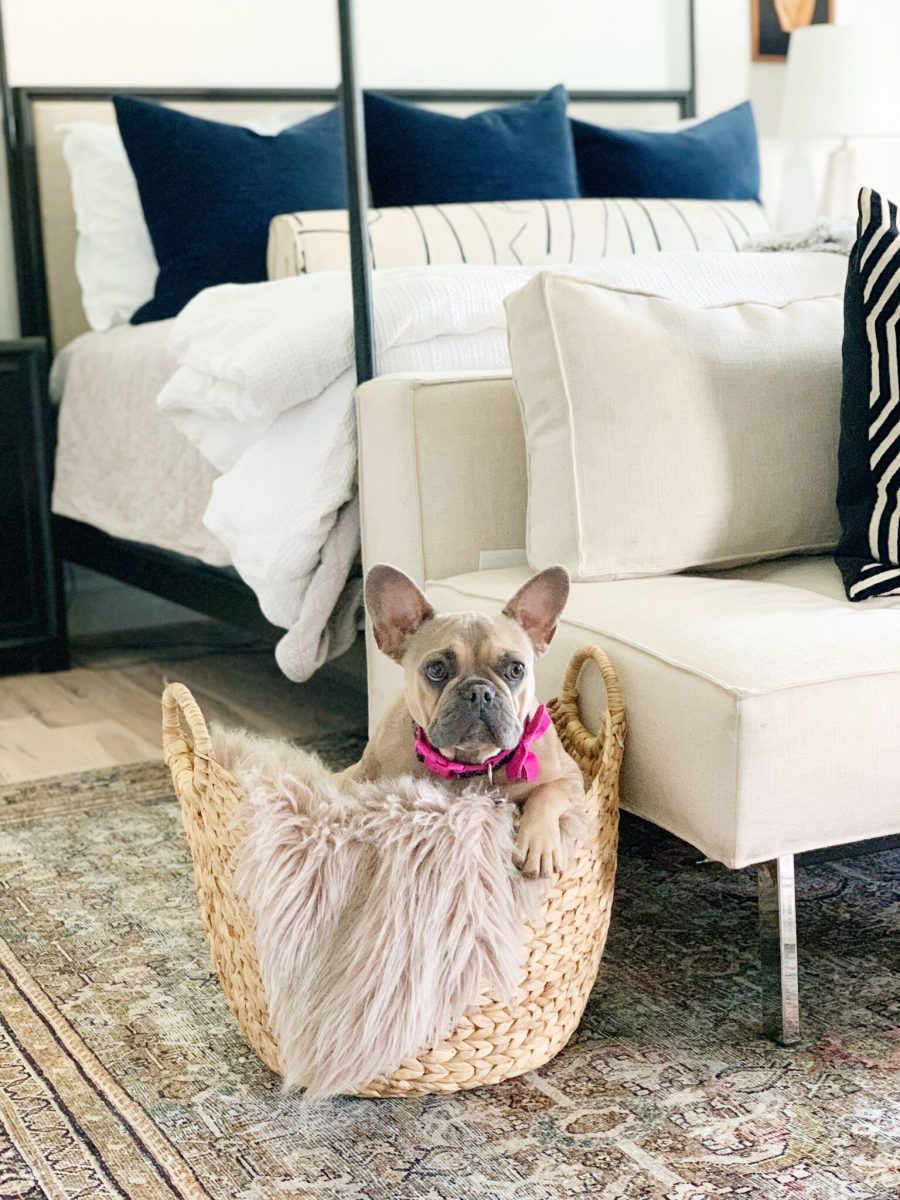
(716, 159)
(522, 152)
(868, 496)
(209, 191)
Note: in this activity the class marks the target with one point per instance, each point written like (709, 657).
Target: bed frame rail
(185, 581)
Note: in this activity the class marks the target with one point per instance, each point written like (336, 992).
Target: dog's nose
(480, 695)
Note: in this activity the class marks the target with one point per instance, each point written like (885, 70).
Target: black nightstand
(32, 613)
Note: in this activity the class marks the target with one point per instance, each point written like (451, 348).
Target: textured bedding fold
(264, 389)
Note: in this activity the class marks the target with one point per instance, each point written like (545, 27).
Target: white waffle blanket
(264, 389)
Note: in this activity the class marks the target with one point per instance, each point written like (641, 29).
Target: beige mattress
(120, 465)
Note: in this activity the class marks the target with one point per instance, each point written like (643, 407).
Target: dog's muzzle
(475, 713)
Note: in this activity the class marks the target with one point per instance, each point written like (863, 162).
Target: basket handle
(588, 745)
(181, 716)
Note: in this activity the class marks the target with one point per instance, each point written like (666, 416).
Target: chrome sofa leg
(778, 950)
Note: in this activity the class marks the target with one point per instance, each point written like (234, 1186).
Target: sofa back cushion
(680, 411)
(505, 233)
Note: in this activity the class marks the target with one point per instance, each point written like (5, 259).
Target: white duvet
(264, 389)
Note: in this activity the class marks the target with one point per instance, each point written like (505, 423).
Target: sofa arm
(441, 471)
(441, 478)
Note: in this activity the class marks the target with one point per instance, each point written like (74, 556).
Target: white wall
(403, 43)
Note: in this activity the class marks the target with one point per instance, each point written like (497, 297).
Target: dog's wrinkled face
(470, 684)
(469, 678)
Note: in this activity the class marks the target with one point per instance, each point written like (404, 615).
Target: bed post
(689, 102)
(357, 184)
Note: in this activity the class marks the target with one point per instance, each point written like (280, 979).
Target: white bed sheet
(121, 466)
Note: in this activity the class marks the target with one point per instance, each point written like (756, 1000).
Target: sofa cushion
(680, 410)
(759, 700)
(869, 550)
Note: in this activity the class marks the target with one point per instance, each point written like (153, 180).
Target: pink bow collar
(521, 762)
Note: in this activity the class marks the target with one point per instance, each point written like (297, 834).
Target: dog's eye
(514, 671)
(436, 671)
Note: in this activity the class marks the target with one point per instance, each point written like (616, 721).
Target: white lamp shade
(842, 81)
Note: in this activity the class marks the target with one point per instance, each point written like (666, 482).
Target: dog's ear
(537, 604)
(397, 608)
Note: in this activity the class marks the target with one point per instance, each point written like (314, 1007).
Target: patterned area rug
(122, 1074)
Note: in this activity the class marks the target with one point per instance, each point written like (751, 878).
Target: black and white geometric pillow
(869, 458)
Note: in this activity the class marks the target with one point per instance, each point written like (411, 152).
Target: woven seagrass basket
(564, 943)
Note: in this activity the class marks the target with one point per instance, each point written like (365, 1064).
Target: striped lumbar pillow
(869, 457)
(505, 233)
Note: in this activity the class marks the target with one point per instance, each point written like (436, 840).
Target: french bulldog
(468, 709)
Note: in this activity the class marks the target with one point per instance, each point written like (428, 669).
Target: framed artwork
(773, 21)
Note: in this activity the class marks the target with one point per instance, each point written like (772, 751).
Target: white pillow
(114, 258)
(680, 411)
(507, 232)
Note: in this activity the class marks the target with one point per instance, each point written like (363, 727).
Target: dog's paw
(539, 851)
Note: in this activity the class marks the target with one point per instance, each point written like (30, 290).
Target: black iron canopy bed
(186, 580)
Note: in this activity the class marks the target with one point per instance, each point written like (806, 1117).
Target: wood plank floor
(105, 710)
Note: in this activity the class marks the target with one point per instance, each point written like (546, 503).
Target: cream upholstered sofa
(762, 705)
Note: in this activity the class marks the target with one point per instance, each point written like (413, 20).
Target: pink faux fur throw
(381, 909)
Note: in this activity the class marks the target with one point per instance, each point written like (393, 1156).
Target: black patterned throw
(869, 460)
